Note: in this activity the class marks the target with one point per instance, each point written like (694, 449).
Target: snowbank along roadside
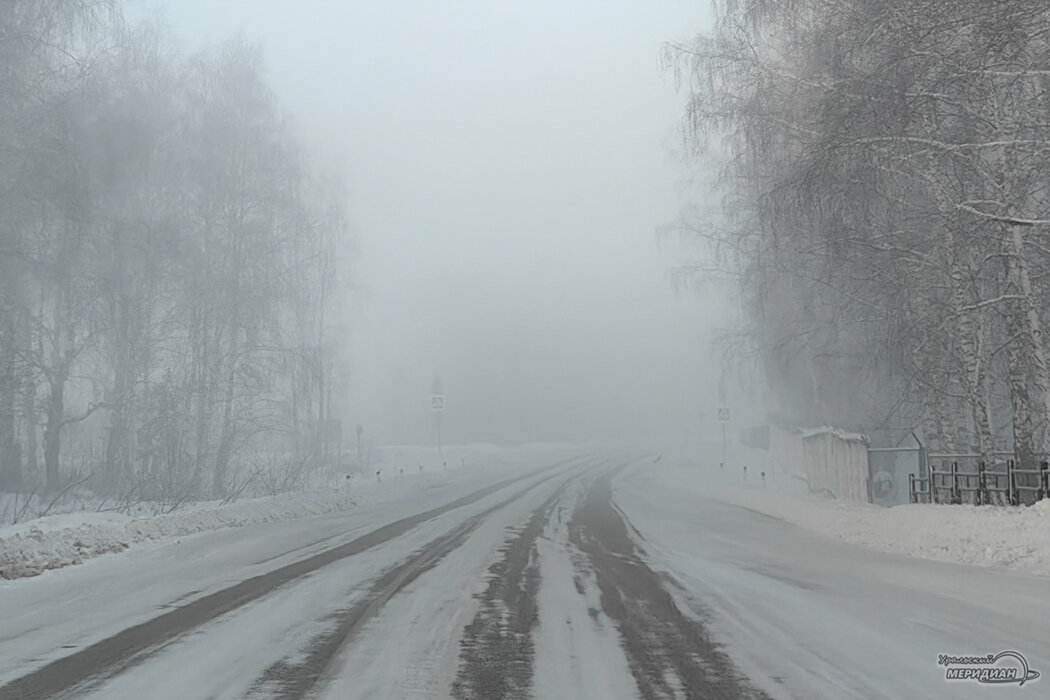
(990, 536)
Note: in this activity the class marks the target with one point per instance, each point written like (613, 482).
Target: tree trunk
(116, 466)
(10, 458)
(1037, 358)
(970, 334)
(29, 406)
(932, 425)
(53, 430)
(202, 389)
(226, 435)
(1020, 402)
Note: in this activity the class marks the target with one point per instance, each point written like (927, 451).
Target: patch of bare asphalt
(670, 654)
(496, 651)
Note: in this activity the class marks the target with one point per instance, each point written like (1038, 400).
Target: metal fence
(1005, 483)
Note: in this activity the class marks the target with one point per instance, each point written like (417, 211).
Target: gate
(892, 472)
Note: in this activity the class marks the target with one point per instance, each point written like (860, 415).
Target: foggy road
(590, 577)
(555, 350)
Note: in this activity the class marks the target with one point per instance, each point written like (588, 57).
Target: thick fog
(508, 168)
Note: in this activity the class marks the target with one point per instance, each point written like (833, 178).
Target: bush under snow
(30, 548)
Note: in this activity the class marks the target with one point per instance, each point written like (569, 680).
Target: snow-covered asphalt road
(592, 577)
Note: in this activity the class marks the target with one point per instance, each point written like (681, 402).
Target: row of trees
(886, 165)
(167, 258)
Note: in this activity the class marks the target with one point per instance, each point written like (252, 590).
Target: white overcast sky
(509, 163)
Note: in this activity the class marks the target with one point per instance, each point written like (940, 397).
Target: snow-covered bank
(991, 536)
(47, 543)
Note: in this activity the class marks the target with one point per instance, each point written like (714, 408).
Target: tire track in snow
(496, 651)
(579, 654)
(671, 655)
(296, 678)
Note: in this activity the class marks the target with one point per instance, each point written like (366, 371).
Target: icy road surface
(597, 576)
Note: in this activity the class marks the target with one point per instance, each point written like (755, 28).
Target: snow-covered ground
(994, 536)
(31, 547)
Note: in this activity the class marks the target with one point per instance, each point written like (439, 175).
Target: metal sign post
(437, 406)
(723, 418)
(360, 430)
